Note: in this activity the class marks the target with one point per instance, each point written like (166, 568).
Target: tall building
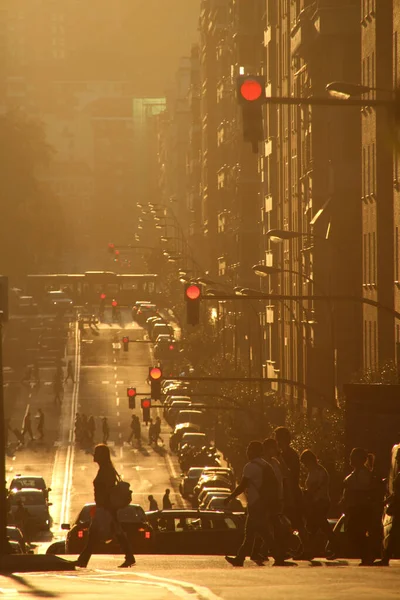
(311, 175)
(378, 46)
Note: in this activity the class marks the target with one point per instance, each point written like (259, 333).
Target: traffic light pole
(326, 101)
(4, 548)
(319, 297)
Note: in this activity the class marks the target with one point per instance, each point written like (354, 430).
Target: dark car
(132, 519)
(213, 481)
(178, 433)
(196, 531)
(189, 480)
(387, 520)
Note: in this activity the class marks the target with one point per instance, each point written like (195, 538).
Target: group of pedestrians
(166, 501)
(271, 482)
(85, 430)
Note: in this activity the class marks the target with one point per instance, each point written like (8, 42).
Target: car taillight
(80, 533)
(147, 535)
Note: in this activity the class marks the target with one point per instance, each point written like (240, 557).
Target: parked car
(211, 482)
(133, 521)
(14, 534)
(189, 480)
(195, 439)
(30, 481)
(145, 311)
(25, 305)
(37, 506)
(195, 532)
(190, 416)
(225, 472)
(178, 433)
(211, 493)
(159, 328)
(217, 502)
(206, 491)
(165, 348)
(173, 405)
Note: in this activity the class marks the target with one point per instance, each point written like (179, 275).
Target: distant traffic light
(251, 97)
(125, 341)
(146, 405)
(192, 298)
(116, 255)
(114, 305)
(155, 376)
(131, 393)
(102, 297)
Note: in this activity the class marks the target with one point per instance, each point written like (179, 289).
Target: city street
(102, 372)
(210, 578)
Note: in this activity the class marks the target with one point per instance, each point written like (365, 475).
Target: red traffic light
(131, 392)
(193, 292)
(155, 373)
(102, 296)
(117, 253)
(114, 303)
(251, 90)
(171, 347)
(111, 246)
(146, 403)
(125, 339)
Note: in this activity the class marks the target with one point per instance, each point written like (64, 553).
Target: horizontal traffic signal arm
(318, 297)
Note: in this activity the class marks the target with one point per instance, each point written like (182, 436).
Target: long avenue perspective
(200, 299)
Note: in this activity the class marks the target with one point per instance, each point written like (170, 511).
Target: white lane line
(121, 453)
(117, 413)
(120, 382)
(117, 401)
(119, 423)
(105, 382)
(183, 589)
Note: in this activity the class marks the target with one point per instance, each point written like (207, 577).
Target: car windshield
(131, 514)
(194, 472)
(28, 482)
(28, 498)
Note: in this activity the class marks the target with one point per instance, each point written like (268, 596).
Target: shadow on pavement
(161, 450)
(143, 451)
(336, 563)
(33, 591)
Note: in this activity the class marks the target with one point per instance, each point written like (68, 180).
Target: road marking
(119, 424)
(121, 453)
(117, 413)
(117, 401)
(120, 382)
(105, 382)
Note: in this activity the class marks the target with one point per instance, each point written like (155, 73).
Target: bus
(87, 287)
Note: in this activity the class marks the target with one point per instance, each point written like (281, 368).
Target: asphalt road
(102, 372)
(210, 578)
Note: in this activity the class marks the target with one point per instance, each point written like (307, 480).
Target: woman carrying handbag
(105, 518)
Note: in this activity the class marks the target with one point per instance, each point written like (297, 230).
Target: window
(373, 252)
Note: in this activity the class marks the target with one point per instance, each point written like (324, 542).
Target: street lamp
(345, 89)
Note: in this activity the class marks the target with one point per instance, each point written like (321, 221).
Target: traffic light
(131, 393)
(114, 305)
(192, 298)
(3, 299)
(251, 97)
(116, 255)
(146, 405)
(155, 376)
(102, 297)
(111, 248)
(125, 341)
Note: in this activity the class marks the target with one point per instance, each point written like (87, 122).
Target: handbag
(120, 494)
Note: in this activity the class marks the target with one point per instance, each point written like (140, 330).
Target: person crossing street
(40, 424)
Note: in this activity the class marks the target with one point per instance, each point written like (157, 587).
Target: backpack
(269, 490)
(120, 494)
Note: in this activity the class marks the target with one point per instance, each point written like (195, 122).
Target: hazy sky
(164, 31)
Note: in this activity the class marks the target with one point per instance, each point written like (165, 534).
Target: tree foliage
(30, 216)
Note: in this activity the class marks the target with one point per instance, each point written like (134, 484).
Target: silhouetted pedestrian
(27, 425)
(294, 510)
(132, 426)
(166, 501)
(70, 372)
(153, 503)
(106, 430)
(316, 501)
(151, 432)
(357, 502)
(91, 425)
(257, 475)
(40, 424)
